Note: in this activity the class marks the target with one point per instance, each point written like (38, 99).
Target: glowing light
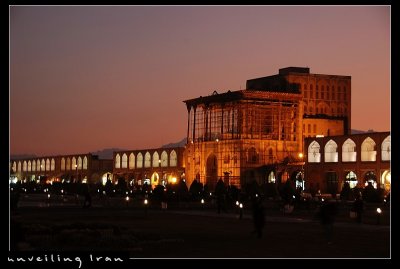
(62, 191)
(294, 197)
(127, 198)
(146, 202)
(174, 180)
(378, 210)
(202, 201)
(126, 192)
(257, 195)
(237, 202)
(216, 140)
(301, 155)
(48, 196)
(210, 193)
(322, 199)
(241, 205)
(319, 136)
(104, 192)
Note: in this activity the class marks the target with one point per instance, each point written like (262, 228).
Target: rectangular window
(315, 128)
(309, 128)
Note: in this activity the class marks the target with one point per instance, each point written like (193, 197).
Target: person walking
(258, 216)
(358, 207)
(327, 216)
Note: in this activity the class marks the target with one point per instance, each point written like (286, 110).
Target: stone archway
(212, 171)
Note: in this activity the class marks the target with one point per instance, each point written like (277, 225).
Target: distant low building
(152, 166)
(62, 168)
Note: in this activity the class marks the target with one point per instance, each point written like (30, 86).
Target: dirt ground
(191, 234)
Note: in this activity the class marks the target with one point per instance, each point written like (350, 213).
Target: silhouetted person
(88, 197)
(220, 193)
(358, 207)
(258, 216)
(327, 216)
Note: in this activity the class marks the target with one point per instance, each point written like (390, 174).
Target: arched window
(349, 153)
(43, 165)
(29, 166)
(131, 161)
(124, 161)
(62, 164)
(156, 159)
(68, 163)
(368, 152)
(80, 163)
(313, 152)
(173, 160)
(24, 166)
(47, 164)
(164, 159)
(38, 165)
(52, 164)
(147, 160)
(14, 167)
(139, 160)
(19, 166)
(386, 149)
(74, 165)
(117, 161)
(33, 166)
(85, 164)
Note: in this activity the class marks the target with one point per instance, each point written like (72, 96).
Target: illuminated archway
(124, 163)
(351, 178)
(370, 177)
(313, 152)
(349, 153)
(147, 160)
(331, 154)
(271, 177)
(155, 179)
(105, 177)
(386, 180)
(368, 152)
(386, 149)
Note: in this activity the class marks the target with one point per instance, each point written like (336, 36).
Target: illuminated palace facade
(267, 133)
(152, 166)
(68, 168)
(356, 159)
(258, 133)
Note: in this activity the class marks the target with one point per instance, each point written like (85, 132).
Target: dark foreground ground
(192, 234)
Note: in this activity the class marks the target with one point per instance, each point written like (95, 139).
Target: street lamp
(301, 155)
(378, 216)
(240, 211)
(76, 167)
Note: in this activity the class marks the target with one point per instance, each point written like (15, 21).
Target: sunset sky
(85, 78)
